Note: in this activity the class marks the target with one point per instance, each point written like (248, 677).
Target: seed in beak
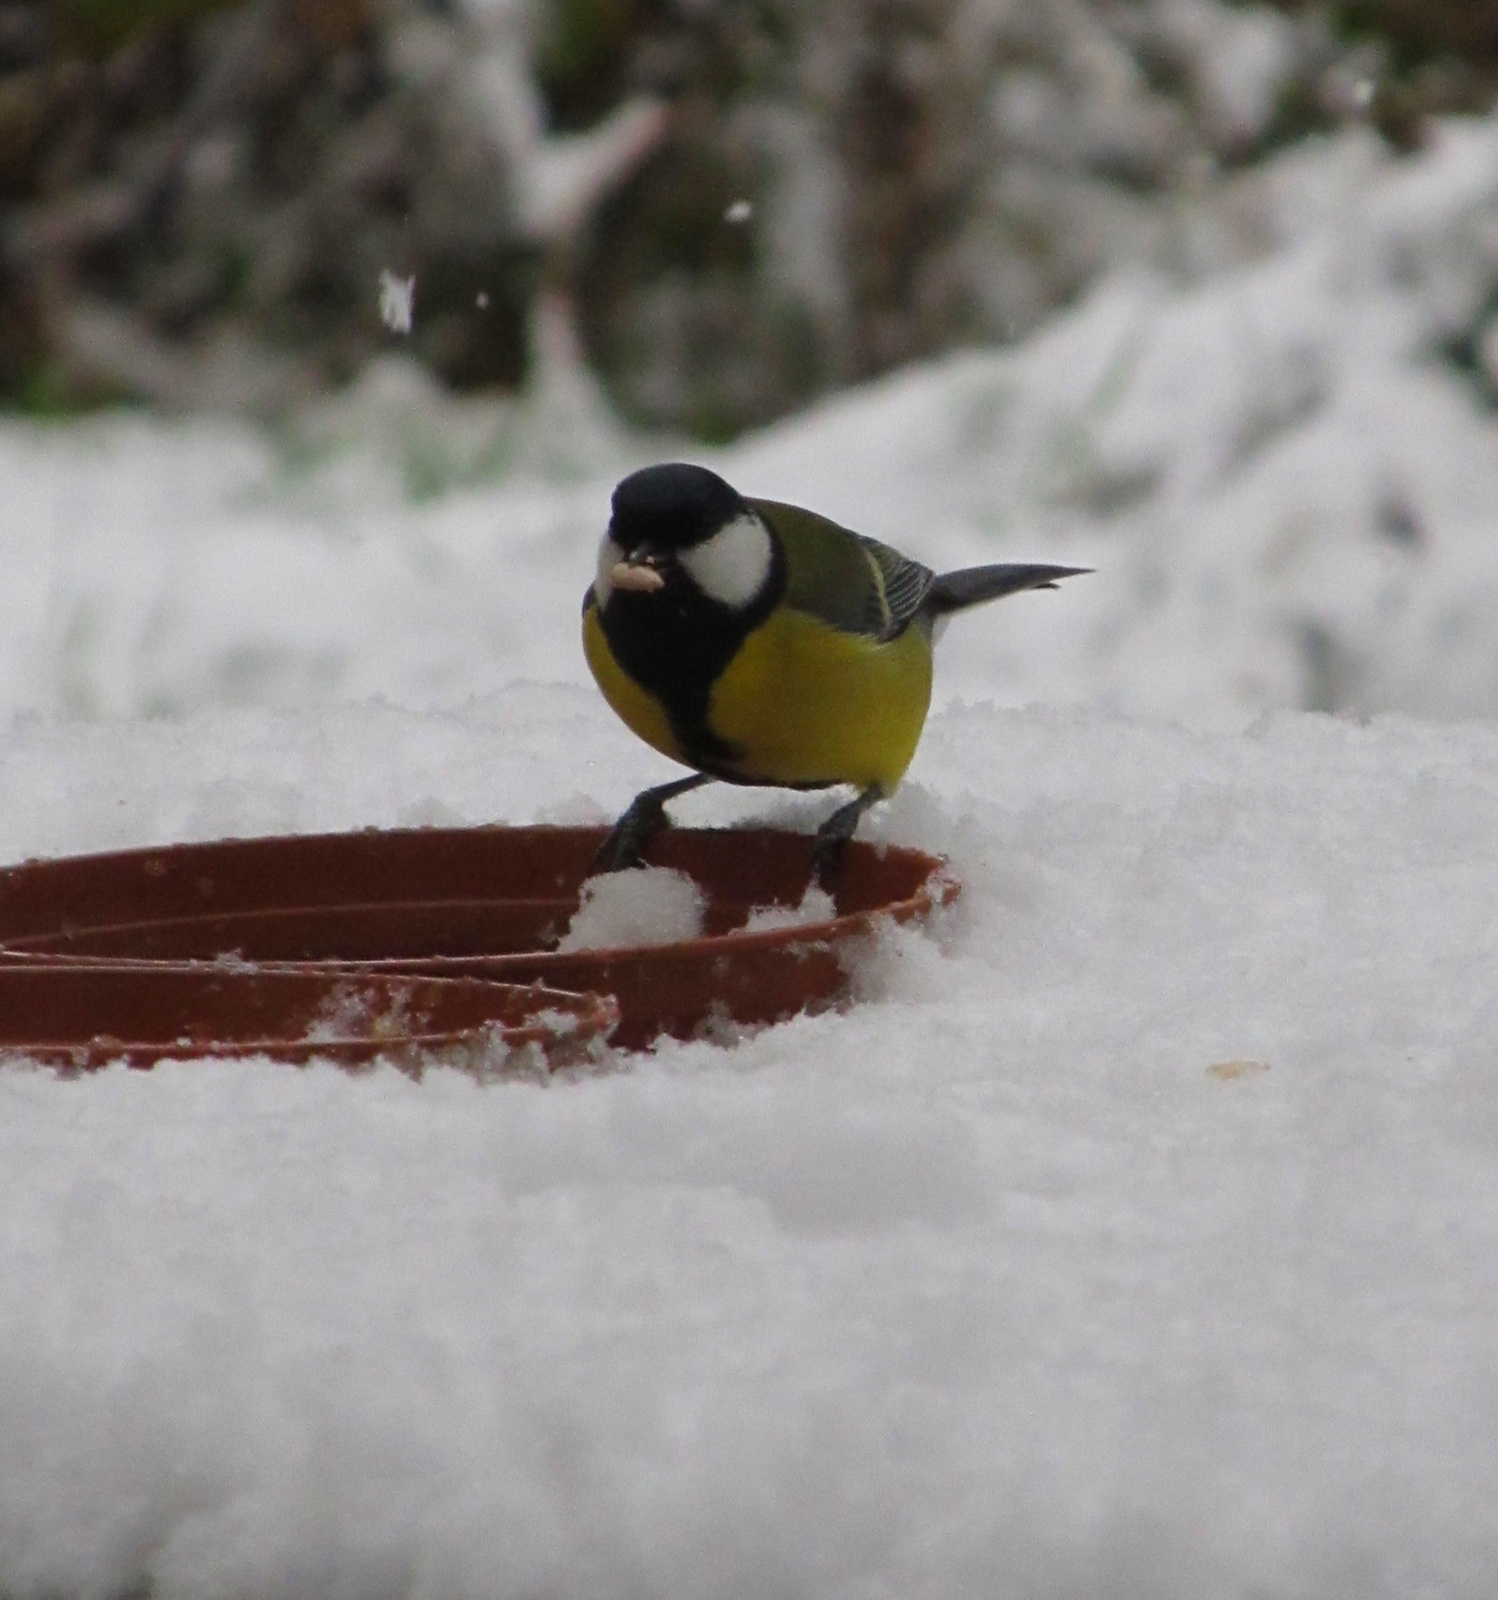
(636, 576)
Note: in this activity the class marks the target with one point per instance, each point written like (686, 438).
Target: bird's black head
(672, 506)
(680, 535)
(687, 570)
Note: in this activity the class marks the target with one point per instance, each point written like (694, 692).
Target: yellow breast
(807, 703)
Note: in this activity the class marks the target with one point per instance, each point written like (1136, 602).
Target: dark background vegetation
(198, 197)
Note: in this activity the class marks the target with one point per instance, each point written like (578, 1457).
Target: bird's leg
(646, 816)
(835, 832)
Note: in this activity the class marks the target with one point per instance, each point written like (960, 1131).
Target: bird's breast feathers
(800, 703)
(808, 704)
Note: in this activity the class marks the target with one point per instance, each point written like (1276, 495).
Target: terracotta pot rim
(453, 906)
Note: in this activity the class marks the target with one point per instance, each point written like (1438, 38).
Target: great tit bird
(758, 643)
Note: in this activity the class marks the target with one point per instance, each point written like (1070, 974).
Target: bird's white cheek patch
(734, 565)
(609, 557)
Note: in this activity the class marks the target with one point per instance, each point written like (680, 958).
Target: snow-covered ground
(1136, 1234)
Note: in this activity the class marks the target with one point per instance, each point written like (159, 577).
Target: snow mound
(645, 906)
(816, 905)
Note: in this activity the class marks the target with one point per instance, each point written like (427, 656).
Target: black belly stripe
(675, 644)
(676, 650)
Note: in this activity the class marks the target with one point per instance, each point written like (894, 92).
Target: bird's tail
(956, 591)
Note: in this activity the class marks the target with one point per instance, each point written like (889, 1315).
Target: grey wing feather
(900, 589)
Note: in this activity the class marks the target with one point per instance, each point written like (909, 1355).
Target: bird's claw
(625, 846)
(827, 852)
(645, 818)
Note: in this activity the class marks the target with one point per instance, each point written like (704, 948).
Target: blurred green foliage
(582, 51)
(707, 300)
(1419, 31)
(104, 25)
(1435, 57)
(677, 312)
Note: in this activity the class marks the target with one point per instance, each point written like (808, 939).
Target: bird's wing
(847, 581)
(903, 585)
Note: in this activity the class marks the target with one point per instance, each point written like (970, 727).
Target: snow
(397, 301)
(816, 905)
(653, 906)
(994, 1284)
(1134, 1232)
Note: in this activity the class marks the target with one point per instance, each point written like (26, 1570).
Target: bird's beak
(637, 576)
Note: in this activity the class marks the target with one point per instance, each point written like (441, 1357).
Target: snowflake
(396, 298)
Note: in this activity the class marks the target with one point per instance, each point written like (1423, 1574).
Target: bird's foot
(627, 839)
(826, 858)
(645, 817)
(832, 837)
